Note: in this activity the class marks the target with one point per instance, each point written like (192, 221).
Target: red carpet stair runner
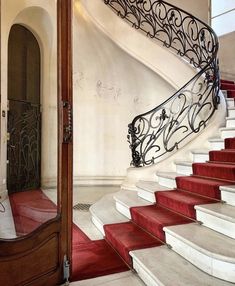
(176, 207)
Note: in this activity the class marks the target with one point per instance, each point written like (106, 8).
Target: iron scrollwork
(162, 129)
(24, 148)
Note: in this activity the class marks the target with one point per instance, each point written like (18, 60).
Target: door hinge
(68, 122)
(66, 270)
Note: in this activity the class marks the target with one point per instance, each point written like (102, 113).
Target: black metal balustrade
(162, 129)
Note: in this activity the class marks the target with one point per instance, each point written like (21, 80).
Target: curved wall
(110, 88)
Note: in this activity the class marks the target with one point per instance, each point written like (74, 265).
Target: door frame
(38, 258)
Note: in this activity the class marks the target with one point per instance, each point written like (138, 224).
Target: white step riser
(216, 145)
(200, 158)
(217, 268)
(227, 134)
(224, 93)
(230, 123)
(123, 210)
(150, 197)
(230, 103)
(231, 113)
(98, 224)
(220, 225)
(184, 170)
(228, 197)
(144, 275)
(167, 182)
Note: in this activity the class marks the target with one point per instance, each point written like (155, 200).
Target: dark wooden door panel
(25, 261)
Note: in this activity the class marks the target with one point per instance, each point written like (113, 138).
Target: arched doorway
(24, 119)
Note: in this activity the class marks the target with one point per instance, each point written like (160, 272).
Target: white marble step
(231, 111)
(227, 132)
(126, 278)
(230, 102)
(228, 194)
(230, 122)
(183, 167)
(126, 199)
(216, 143)
(200, 155)
(146, 190)
(208, 250)
(161, 266)
(104, 212)
(167, 179)
(219, 217)
(224, 93)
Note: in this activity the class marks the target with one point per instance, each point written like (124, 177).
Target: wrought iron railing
(162, 129)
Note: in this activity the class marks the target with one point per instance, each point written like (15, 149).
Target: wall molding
(86, 181)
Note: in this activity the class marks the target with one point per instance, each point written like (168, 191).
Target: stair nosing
(200, 248)
(215, 213)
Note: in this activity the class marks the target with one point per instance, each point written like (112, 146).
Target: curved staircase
(177, 229)
(180, 227)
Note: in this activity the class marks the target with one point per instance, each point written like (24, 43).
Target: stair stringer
(198, 141)
(146, 51)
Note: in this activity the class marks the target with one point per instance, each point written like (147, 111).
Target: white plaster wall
(226, 56)
(39, 16)
(110, 88)
(198, 8)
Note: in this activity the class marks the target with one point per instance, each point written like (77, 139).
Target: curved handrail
(162, 129)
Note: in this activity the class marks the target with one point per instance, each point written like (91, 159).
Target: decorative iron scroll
(162, 129)
(24, 146)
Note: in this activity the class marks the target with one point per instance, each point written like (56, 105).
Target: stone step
(167, 179)
(147, 189)
(123, 278)
(228, 194)
(216, 143)
(230, 122)
(208, 250)
(183, 167)
(219, 217)
(126, 199)
(161, 266)
(227, 132)
(200, 155)
(104, 212)
(230, 102)
(231, 111)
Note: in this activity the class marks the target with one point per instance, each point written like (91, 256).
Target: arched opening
(24, 120)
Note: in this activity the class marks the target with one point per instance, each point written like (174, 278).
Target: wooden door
(38, 258)
(24, 118)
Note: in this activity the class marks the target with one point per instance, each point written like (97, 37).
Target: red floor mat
(229, 143)
(95, 258)
(30, 209)
(181, 202)
(202, 186)
(213, 170)
(154, 218)
(223, 156)
(127, 236)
